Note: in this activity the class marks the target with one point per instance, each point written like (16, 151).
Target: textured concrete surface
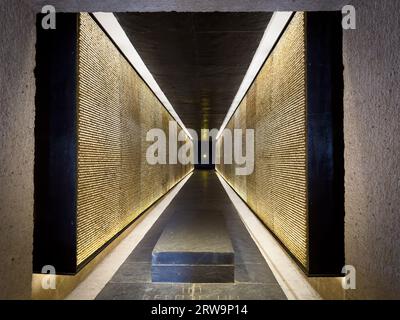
(17, 45)
(191, 5)
(372, 149)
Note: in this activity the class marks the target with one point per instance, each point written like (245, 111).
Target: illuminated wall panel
(116, 109)
(277, 113)
(281, 140)
(111, 110)
(251, 118)
(279, 107)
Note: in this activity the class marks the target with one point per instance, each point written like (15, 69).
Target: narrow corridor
(202, 193)
(181, 150)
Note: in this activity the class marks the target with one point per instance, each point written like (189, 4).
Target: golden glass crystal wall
(275, 107)
(115, 111)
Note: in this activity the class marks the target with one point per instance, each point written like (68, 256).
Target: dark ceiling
(198, 59)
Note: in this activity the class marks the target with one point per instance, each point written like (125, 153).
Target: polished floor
(203, 192)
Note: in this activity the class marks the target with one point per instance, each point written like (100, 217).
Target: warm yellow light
(100, 212)
(266, 190)
(204, 134)
(204, 156)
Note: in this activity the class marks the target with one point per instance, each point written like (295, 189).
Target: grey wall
(17, 44)
(371, 120)
(193, 5)
(372, 149)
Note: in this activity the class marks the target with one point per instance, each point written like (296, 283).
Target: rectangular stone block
(194, 247)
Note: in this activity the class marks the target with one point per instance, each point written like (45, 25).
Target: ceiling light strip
(271, 35)
(114, 30)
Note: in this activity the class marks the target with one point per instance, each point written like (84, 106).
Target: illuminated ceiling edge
(271, 35)
(114, 30)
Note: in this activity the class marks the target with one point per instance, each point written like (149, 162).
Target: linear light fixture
(114, 30)
(271, 35)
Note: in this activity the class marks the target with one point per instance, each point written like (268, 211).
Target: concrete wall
(372, 149)
(371, 119)
(193, 5)
(17, 62)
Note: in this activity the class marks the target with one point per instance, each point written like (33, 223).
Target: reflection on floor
(253, 278)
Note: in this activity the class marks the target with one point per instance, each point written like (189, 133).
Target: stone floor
(253, 278)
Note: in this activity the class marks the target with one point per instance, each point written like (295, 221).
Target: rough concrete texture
(17, 61)
(371, 120)
(191, 5)
(372, 149)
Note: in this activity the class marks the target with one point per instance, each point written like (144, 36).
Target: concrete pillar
(372, 149)
(17, 114)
